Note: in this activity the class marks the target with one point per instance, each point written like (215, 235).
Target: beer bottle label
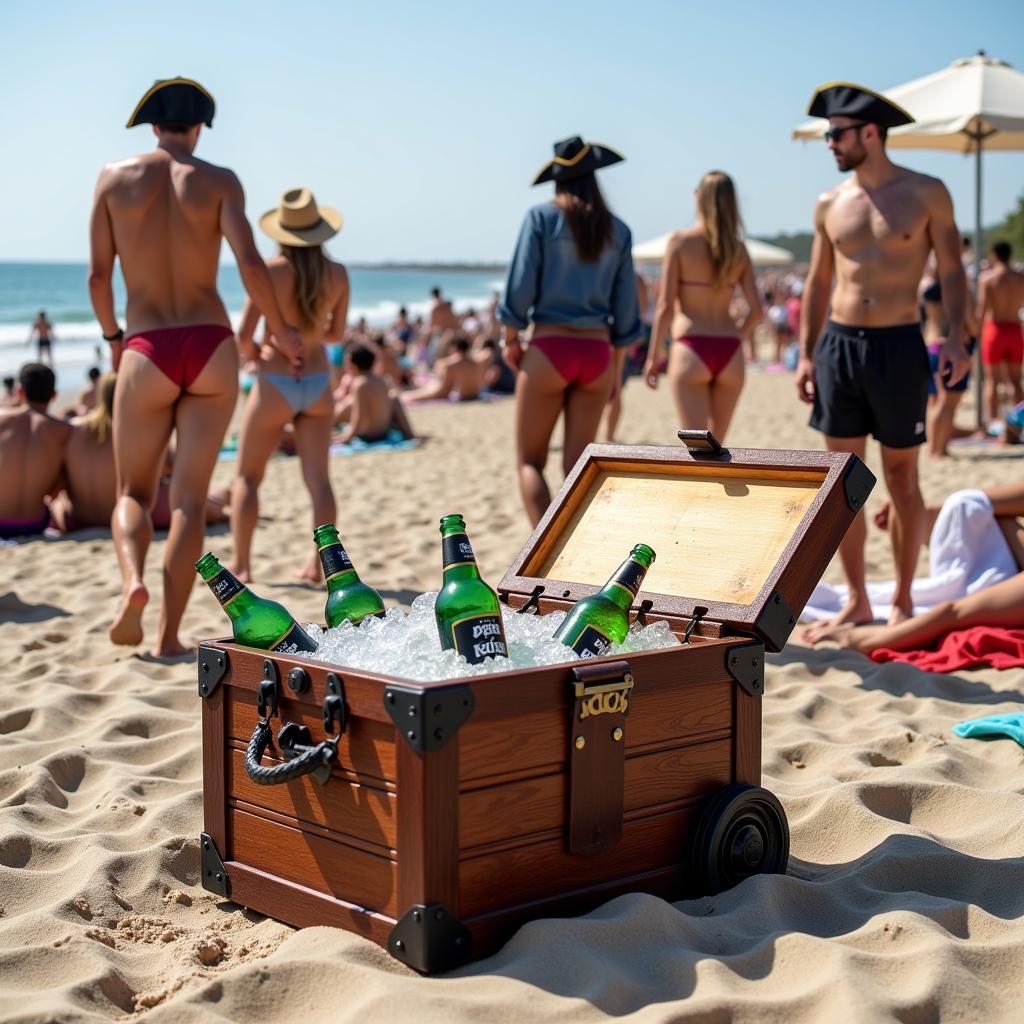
(225, 587)
(296, 637)
(456, 550)
(479, 636)
(334, 558)
(630, 575)
(592, 643)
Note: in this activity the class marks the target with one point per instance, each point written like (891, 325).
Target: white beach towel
(966, 553)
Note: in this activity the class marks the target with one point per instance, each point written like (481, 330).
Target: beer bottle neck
(622, 588)
(234, 596)
(343, 579)
(457, 558)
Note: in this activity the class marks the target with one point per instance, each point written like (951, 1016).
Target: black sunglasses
(835, 134)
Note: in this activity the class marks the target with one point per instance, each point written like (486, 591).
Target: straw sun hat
(299, 220)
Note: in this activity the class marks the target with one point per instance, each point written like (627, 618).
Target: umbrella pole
(979, 375)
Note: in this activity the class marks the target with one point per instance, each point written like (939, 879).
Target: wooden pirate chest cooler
(435, 818)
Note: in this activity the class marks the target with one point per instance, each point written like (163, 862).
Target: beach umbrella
(975, 104)
(761, 253)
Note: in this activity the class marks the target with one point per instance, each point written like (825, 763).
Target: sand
(904, 900)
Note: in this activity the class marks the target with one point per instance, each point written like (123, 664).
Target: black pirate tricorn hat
(844, 99)
(575, 158)
(174, 101)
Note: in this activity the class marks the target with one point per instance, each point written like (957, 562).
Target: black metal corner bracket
(428, 939)
(775, 622)
(214, 877)
(428, 719)
(746, 665)
(213, 666)
(858, 483)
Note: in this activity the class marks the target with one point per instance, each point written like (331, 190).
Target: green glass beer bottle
(255, 621)
(349, 599)
(596, 622)
(467, 611)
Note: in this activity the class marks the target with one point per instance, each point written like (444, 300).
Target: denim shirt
(547, 282)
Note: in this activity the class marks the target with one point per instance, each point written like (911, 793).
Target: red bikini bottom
(714, 351)
(577, 359)
(180, 353)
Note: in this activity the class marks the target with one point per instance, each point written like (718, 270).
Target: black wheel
(742, 831)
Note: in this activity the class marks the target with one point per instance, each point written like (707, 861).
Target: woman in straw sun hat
(313, 293)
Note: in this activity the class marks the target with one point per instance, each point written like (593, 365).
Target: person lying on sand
(32, 446)
(998, 605)
(90, 476)
(460, 373)
(975, 540)
(371, 409)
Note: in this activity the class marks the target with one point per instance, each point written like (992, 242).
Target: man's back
(165, 214)
(1004, 291)
(464, 375)
(31, 449)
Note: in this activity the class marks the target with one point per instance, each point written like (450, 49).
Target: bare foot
(856, 613)
(241, 573)
(848, 637)
(172, 649)
(127, 627)
(312, 572)
(898, 615)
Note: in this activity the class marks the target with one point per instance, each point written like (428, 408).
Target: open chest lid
(742, 536)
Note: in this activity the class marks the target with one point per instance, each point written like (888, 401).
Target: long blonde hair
(101, 415)
(310, 267)
(720, 213)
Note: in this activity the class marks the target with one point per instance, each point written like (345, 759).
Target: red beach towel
(979, 646)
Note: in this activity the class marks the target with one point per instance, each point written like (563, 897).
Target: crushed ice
(406, 645)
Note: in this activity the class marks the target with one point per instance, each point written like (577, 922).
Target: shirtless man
(1000, 298)
(32, 446)
(441, 326)
(163, 214)
(868, 372)
(42, 331)
(460, 373)
(371, 409)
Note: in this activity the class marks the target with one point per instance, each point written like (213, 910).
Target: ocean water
(61, 290)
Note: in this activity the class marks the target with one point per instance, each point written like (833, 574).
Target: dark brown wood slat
(428, 826)
(679, 710)
(311, 860)
(747, 738)
(517, 809)
(362, 690)
(490, 931)
(214, 765)
(368, 747)
(359, 811)
(546, 869)
(301, 906)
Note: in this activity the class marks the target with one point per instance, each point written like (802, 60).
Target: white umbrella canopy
(974, 97)
(976, 103)
(762, 254)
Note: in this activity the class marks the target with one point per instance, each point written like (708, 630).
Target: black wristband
(118, 335)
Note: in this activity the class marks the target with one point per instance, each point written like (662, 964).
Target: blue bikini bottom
(300, 393)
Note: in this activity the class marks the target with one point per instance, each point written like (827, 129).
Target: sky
(424, 123)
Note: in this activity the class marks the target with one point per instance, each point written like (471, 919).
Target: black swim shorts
(871, 380)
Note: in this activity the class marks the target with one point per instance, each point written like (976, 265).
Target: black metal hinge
(775, 622)
(746, 665)
(428, 719)
(428, 939)
(213, 666)
(858, 484)
(215, 878)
